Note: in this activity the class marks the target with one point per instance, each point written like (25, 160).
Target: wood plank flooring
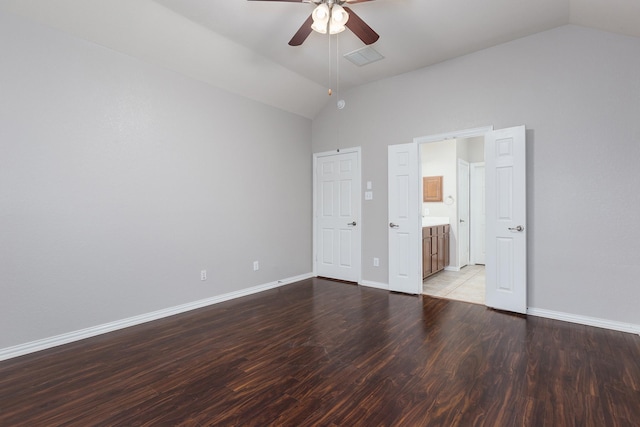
(325, 353)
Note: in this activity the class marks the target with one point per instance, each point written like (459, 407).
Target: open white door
(506, 196)
(405, 274)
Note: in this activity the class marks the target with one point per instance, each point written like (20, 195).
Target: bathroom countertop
(428, 221)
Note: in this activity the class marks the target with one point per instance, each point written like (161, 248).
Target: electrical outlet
(256, 266)
(376, 262)
(203, 274)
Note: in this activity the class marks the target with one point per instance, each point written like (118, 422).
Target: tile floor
(464, 285)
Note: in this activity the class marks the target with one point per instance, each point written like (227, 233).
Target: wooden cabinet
(435, 249)
(432, 189)
(427, 241)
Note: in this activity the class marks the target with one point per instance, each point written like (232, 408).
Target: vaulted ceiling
(241, 45)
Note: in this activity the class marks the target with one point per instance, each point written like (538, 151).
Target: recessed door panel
(346, 237)
(327, 257)
(402, 191)
(504, 265)
(403, 249)
(327, 199)
(346, 202)
(504, 184)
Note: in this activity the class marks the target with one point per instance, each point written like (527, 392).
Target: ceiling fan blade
(360, 28)
(357, 1)
(303, 32)
(293, 1)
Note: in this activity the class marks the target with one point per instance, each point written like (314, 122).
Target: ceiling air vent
(364, 56)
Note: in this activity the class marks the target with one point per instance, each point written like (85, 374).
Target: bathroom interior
(453, 219)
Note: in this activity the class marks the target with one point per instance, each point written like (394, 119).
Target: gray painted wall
(120, 181)
(578, 92)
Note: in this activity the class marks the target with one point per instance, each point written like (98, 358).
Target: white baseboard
(585, 320)
(376, 285)
(45, 343)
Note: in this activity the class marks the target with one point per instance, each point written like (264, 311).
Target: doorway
(467, 285)
(462, 207)
(506, 229)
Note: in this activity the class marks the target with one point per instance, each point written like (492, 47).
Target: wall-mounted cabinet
(435, 249)
(432, 189)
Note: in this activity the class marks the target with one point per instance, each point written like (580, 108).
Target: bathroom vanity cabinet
(435, 249)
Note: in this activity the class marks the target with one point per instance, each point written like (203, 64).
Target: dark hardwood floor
(331, 354)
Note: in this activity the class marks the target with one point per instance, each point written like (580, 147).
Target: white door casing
(337, 216)
(506, 256)
(405, 260)
(463, 213)
(478, 221)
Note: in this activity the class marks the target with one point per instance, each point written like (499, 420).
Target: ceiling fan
(330, 16)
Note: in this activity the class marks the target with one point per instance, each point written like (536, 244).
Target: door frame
(476, 200)
(357, 249)
(459, 187)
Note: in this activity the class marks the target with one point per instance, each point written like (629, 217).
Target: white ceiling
(242, 47)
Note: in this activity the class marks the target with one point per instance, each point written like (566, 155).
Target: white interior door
(478, 220)
(506, 263)
(405, 262)
(463, 213)
(337, 215)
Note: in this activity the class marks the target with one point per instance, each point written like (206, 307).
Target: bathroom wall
(439, 159)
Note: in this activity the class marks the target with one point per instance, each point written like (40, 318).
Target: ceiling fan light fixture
(320, 15)
(339, 18)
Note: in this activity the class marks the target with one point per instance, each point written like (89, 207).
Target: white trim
(337, 151)
(45, 343)
(358, 151)
(452, 268)
(474, 202)
(460, 164)
(585, 320)
(461, 134)
(377, 285)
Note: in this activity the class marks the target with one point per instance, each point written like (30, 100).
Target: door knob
(392, 225)
(518, 228)
(352, 223)
(462, 220)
